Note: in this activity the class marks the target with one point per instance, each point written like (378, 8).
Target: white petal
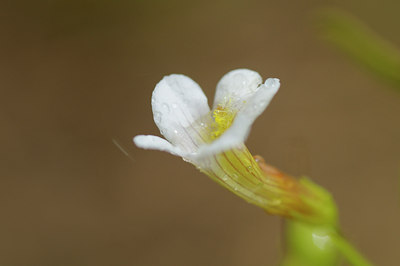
(240, 128)
(260, 99)
(237, 86)
(149, 142)
(177, 103)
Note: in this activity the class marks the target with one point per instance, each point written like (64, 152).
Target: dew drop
(272, 83)
(157, 117)
(239, 79)
(175, 131)
(165, 107)
(225, 178)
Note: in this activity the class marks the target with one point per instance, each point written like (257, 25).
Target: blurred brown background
(76, 78)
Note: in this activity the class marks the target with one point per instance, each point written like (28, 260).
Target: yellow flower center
(223, 117)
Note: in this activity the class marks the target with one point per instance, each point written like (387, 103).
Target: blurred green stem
(360, 43)
(349, 252)
(309, 245)
(316, 245)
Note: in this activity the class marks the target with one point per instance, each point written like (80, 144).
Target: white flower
(213, 141)
(184, 118)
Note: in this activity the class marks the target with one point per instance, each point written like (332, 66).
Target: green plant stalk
(314, 245)
(309, 245)
(348, 251)
(361, 44)
(312, 225)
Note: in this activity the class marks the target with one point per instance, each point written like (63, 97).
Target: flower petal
(237, 86)
(237, 133)
(177, 103)
(149, 142)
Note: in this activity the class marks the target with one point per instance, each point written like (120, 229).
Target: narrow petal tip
(149, 142)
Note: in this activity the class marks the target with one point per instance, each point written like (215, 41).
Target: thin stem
(350, 252)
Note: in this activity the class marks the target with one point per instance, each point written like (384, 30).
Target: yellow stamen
(223, 117)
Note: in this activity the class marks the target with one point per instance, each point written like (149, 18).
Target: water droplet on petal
(165, 107)
(272, 83)
(157, 117)
(175, 131)
(240, 79)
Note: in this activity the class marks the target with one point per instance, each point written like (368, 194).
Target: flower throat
(223, 117)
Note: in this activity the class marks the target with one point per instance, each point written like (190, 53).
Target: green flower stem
(309, 245)
(314, 245)
(317, 242)
(349, 252)
(361, 43)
